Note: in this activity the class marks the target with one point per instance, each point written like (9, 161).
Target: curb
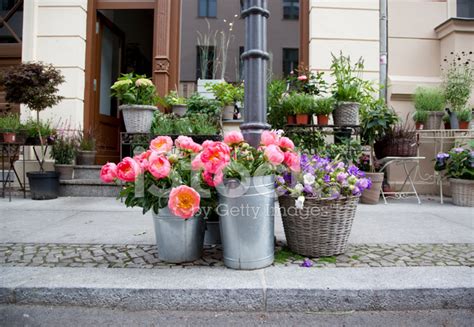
(215, 289)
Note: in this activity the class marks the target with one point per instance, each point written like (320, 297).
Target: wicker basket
(346, 114)
(137, 118)
(435, 118)
(321, 228)
(462, 191)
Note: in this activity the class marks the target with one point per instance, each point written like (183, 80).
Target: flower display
(161, 144)
(108, 173)
(159, 166)
(233, 138)
(321, 178)
(187, 143)
(184, 201)
(458, 163)
(128, 170)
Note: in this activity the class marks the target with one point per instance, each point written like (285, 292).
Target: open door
(107, 126)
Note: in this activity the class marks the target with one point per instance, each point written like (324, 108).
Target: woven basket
(462, 191)
(346, 113)
(137, 118)
(400, 147)
(321, 228)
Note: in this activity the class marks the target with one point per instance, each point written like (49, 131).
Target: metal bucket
(178, 240)
(246, 212)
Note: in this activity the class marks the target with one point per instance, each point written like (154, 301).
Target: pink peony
(184, 201)
(196, 163)
(213, 179)
(292, 161)
(128, 170)
(159, 166)
(286, 144)
(269, 137)
(108, 173)
(274, 154)
(161, 144)
(187, 143)
(207, 143)
(215, 157)
(233, 138)
(142, 159)
(302, 78)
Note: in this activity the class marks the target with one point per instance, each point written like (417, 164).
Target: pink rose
(215, 157)
(187, 143)
(292, 161)
(274, 154)
(128, 170)
(269, 137)
(213, 179)
(108, 173)
(159, 166)
(161, 144)
(286, 144)
(184, 201)
(233, 138)
(302, 78)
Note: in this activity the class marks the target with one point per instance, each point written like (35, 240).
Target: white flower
(299, 187)
(299, 202)
(309, 179)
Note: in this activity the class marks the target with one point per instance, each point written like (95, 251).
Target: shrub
(226, 93)
(63, 150)
(429, 99)
(172, 99)
(458, 80)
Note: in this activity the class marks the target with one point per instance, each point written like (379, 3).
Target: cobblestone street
(145, 256)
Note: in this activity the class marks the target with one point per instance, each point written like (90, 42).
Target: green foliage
(422, 116)
(298, 103)
(311, 142)
(306, 81)
(134, 89)
(172, 99)
(348, 83)
(348, 152)
(464, 115)
(197, 104)
(429, 99)
(34, 129)
(324, 106)
(63, 150)
(191, 124)
(10, 123)
(446, 118)
(226, 93)
(327, 259)
(458, 80)
(458, 163)
(276, 115)
(375, 120)
(86, 141)
(283, 255)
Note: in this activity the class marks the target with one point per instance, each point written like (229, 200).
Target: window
(207, 8)
(205, 62)
(11, 21)
(291, 9)
(290, 60)
(465, 8)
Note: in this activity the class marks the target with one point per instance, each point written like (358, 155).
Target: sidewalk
(80, 251)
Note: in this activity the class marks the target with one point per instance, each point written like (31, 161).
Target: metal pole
(383, 49)
(255, 59)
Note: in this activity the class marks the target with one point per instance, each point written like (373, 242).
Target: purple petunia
(442, 156)
(306, 263)
(458, 150)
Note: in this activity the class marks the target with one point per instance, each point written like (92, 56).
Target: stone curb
(220, 289)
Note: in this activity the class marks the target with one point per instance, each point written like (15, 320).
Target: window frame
(292, 5)
(207, 6)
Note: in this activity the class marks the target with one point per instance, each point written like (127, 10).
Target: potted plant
(63, 152)
(446, 121)
(464, 118)
(86, 149)
(228, 95)
(288, 104)
(137, 97)
(301, 105)
(9, 127)
(322, 109)
(34, 129)
(277, 117)
(399, 141)
(318, 205)
(432, 101)
(348, 89)
(36, 86)
(458, 165)
(420, 118)
(176, 103)
(160, 180)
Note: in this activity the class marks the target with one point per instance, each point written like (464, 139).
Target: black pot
(341, 135)
(43, 185)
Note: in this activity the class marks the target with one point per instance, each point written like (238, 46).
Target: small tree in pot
(36, 86)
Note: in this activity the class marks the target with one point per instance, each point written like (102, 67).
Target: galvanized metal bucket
(246, 212)
(178, 240)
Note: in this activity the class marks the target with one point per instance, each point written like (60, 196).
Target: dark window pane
(291, 9)
(290, 60)
(6, 4)
(13, 21)
(204, 61)
(465, 8)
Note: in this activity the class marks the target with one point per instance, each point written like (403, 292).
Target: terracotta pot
(302, 119)
(447, 125)
(372, 195)
(323, 119)
(463, 125)
(291, 119)
(9, 137)
(419, 126)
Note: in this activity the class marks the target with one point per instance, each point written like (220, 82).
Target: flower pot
(396, 147)
(212, 236)
(85, 158)
(341, 135)
(302, 119)
(418, 126)
(43, 185)
(178, 240)
(291, 119)
(462, 192)
(9, 137)
(372, 195)
(65, 171)
(453, 120)
(323, 120)
(179, 109)
(447, 125)
(137, 118)
(228, 112)
(435, 118)
(346, 114)
(246, 213)
(463, 125)
(321, 228)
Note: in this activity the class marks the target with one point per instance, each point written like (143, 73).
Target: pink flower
(269, 137)
(108, 173)
(286, 144)
(292, 161)
(302, 78)
(184, 201)
(196, 163)
(233, 137)
(187, 143)
(213, 179)
(128, 170)
(142, 159)
(161, 144)
(159, 166)
(274, 154)
(215, 157)
(207, 143)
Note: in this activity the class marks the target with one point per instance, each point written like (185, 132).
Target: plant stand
(10, 151)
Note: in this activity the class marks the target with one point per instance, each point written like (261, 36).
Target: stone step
(88, 187)
(87, 172)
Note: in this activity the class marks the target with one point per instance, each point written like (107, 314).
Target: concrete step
(87, 172)
(88, 187)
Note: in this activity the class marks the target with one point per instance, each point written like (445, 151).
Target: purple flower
(326, 178)
(341, 177)
(356, 191)
(306, 263)
(280, 180)
(442, 156)
(308, 189)
(281, 190)
(458, 150)
(364, 183)
(354, 171)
